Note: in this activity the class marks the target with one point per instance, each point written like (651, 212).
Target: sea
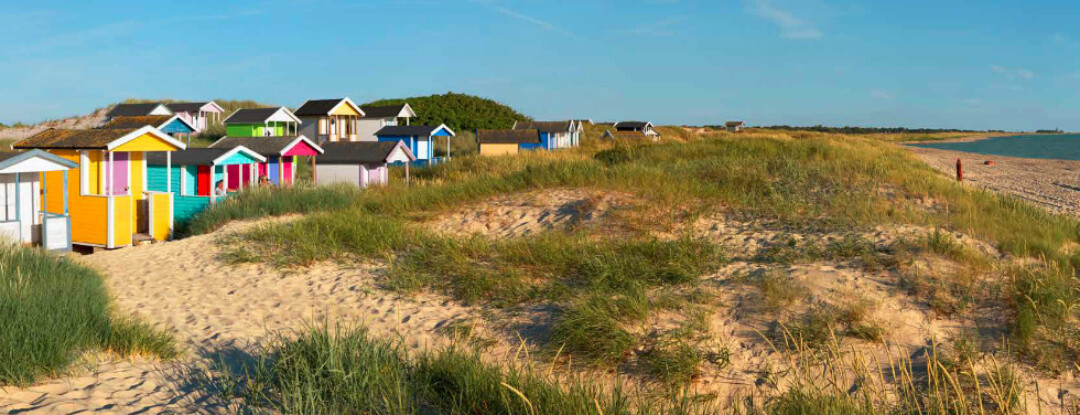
(1042, 146)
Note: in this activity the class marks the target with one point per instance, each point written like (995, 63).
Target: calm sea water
(1058, 146)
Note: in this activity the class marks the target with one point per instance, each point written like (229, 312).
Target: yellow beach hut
(109, 202)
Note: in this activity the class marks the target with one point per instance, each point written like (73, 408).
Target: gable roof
(92, 139)
(135, 110)
(508, 136)
(266, 146)
(388, 111)
(545, 126)
(321, 107)
(258, 115)
(157, 121)
(734, 124)
(412, 130)
(9, 159)
(633, 124)
(355, 152)
(192, 107)
(200, 156)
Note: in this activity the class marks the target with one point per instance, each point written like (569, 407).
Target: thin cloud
(881, 94)
(660, 28)
(524, 17)
(791, 26)
(1013, 74)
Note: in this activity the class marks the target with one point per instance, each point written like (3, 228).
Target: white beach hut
(24, 218)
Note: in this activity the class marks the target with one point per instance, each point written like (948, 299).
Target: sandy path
(1053, 184)
(220, 311)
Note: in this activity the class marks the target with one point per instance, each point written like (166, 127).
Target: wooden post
(18, 204)
(407, 163)
(168, 171)
(213, 198)
(314, 172)
(44, 211)
(108, 176)
(66, 194)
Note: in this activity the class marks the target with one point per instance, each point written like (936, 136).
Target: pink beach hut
(281, 155)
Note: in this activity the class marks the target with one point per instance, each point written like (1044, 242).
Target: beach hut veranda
(24, 192)
(280, 152)
(108, 198)
(420, 139)
(191, 176)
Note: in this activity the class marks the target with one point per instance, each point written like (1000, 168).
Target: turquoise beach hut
(193, 174)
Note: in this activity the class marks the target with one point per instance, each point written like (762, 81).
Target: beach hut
(110, 204)
(734, 126)
(644, 127)
(262, 122)
(505, 142)
(169, 124)
(361, 163)
(377, 117)
(191, 176)
(553, 134)
(137, 110)
(330, 119)
(198, 114)
(421, 140)
(280, 154)
(25, 217)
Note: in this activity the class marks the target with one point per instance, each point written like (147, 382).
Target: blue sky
(918, 63)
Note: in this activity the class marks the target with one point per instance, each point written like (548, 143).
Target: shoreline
(968, 139)
(1053, 184)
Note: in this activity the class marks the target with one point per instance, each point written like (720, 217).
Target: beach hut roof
(23, 161)
(388, 111)
(323, 107)
(734, 124)
(193, 107)
(261, 115)
(135, 110)
(266, 146)
(508, 136)
(91, 139)
(632, 124)
(201, 156)
(158, 121)
(545, 126)
(356, 152)
(412, 130)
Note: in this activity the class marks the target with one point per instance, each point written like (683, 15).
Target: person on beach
(219, 188)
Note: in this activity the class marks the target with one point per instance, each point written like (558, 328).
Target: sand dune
(215, 311)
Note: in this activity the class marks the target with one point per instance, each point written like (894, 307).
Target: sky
(1007, 65)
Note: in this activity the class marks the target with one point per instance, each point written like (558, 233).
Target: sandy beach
(1053, 184)
(220, 312)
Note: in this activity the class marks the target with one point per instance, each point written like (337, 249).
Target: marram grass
(52, 310)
